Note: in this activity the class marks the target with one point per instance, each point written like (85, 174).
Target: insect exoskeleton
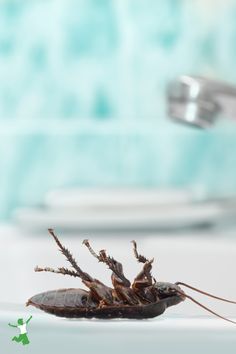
(143, 298)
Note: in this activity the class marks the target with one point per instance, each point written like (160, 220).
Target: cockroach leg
(120, 282)
(143, 282)
(70, 258)
(60, 270)
(144, 277)
(87, 244)
(145, 273)
(99, 291)
(112, 264)
(143, 286)
(139, 257)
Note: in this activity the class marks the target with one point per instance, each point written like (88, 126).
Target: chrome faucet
(199, 101)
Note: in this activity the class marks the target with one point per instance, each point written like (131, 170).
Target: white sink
(166, 335)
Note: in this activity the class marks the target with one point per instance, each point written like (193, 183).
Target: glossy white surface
(163, 335)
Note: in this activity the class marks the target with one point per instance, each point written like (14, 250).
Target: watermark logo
(22, 338)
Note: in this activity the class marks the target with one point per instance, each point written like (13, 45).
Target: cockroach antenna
(207, 294)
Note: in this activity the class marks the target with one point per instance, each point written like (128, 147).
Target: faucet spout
(198, 101)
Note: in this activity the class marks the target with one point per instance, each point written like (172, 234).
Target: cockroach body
(77, 303)
(144, 298)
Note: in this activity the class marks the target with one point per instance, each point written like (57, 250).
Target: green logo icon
(22, 338)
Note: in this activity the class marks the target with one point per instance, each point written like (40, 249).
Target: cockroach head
(165, 289)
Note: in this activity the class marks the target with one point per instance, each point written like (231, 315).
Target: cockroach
(144, 298)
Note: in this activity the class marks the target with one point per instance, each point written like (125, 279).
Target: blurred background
(82, 96)
(87, 147)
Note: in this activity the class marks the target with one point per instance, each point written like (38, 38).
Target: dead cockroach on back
(144, 298)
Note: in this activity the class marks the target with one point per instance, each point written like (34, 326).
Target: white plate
(115, 198)
(165, 217)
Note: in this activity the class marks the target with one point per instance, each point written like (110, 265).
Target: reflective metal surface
(198, 101)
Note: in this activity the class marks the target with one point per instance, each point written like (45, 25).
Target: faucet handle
(198, 101)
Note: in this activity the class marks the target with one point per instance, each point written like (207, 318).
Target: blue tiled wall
(82, 86)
